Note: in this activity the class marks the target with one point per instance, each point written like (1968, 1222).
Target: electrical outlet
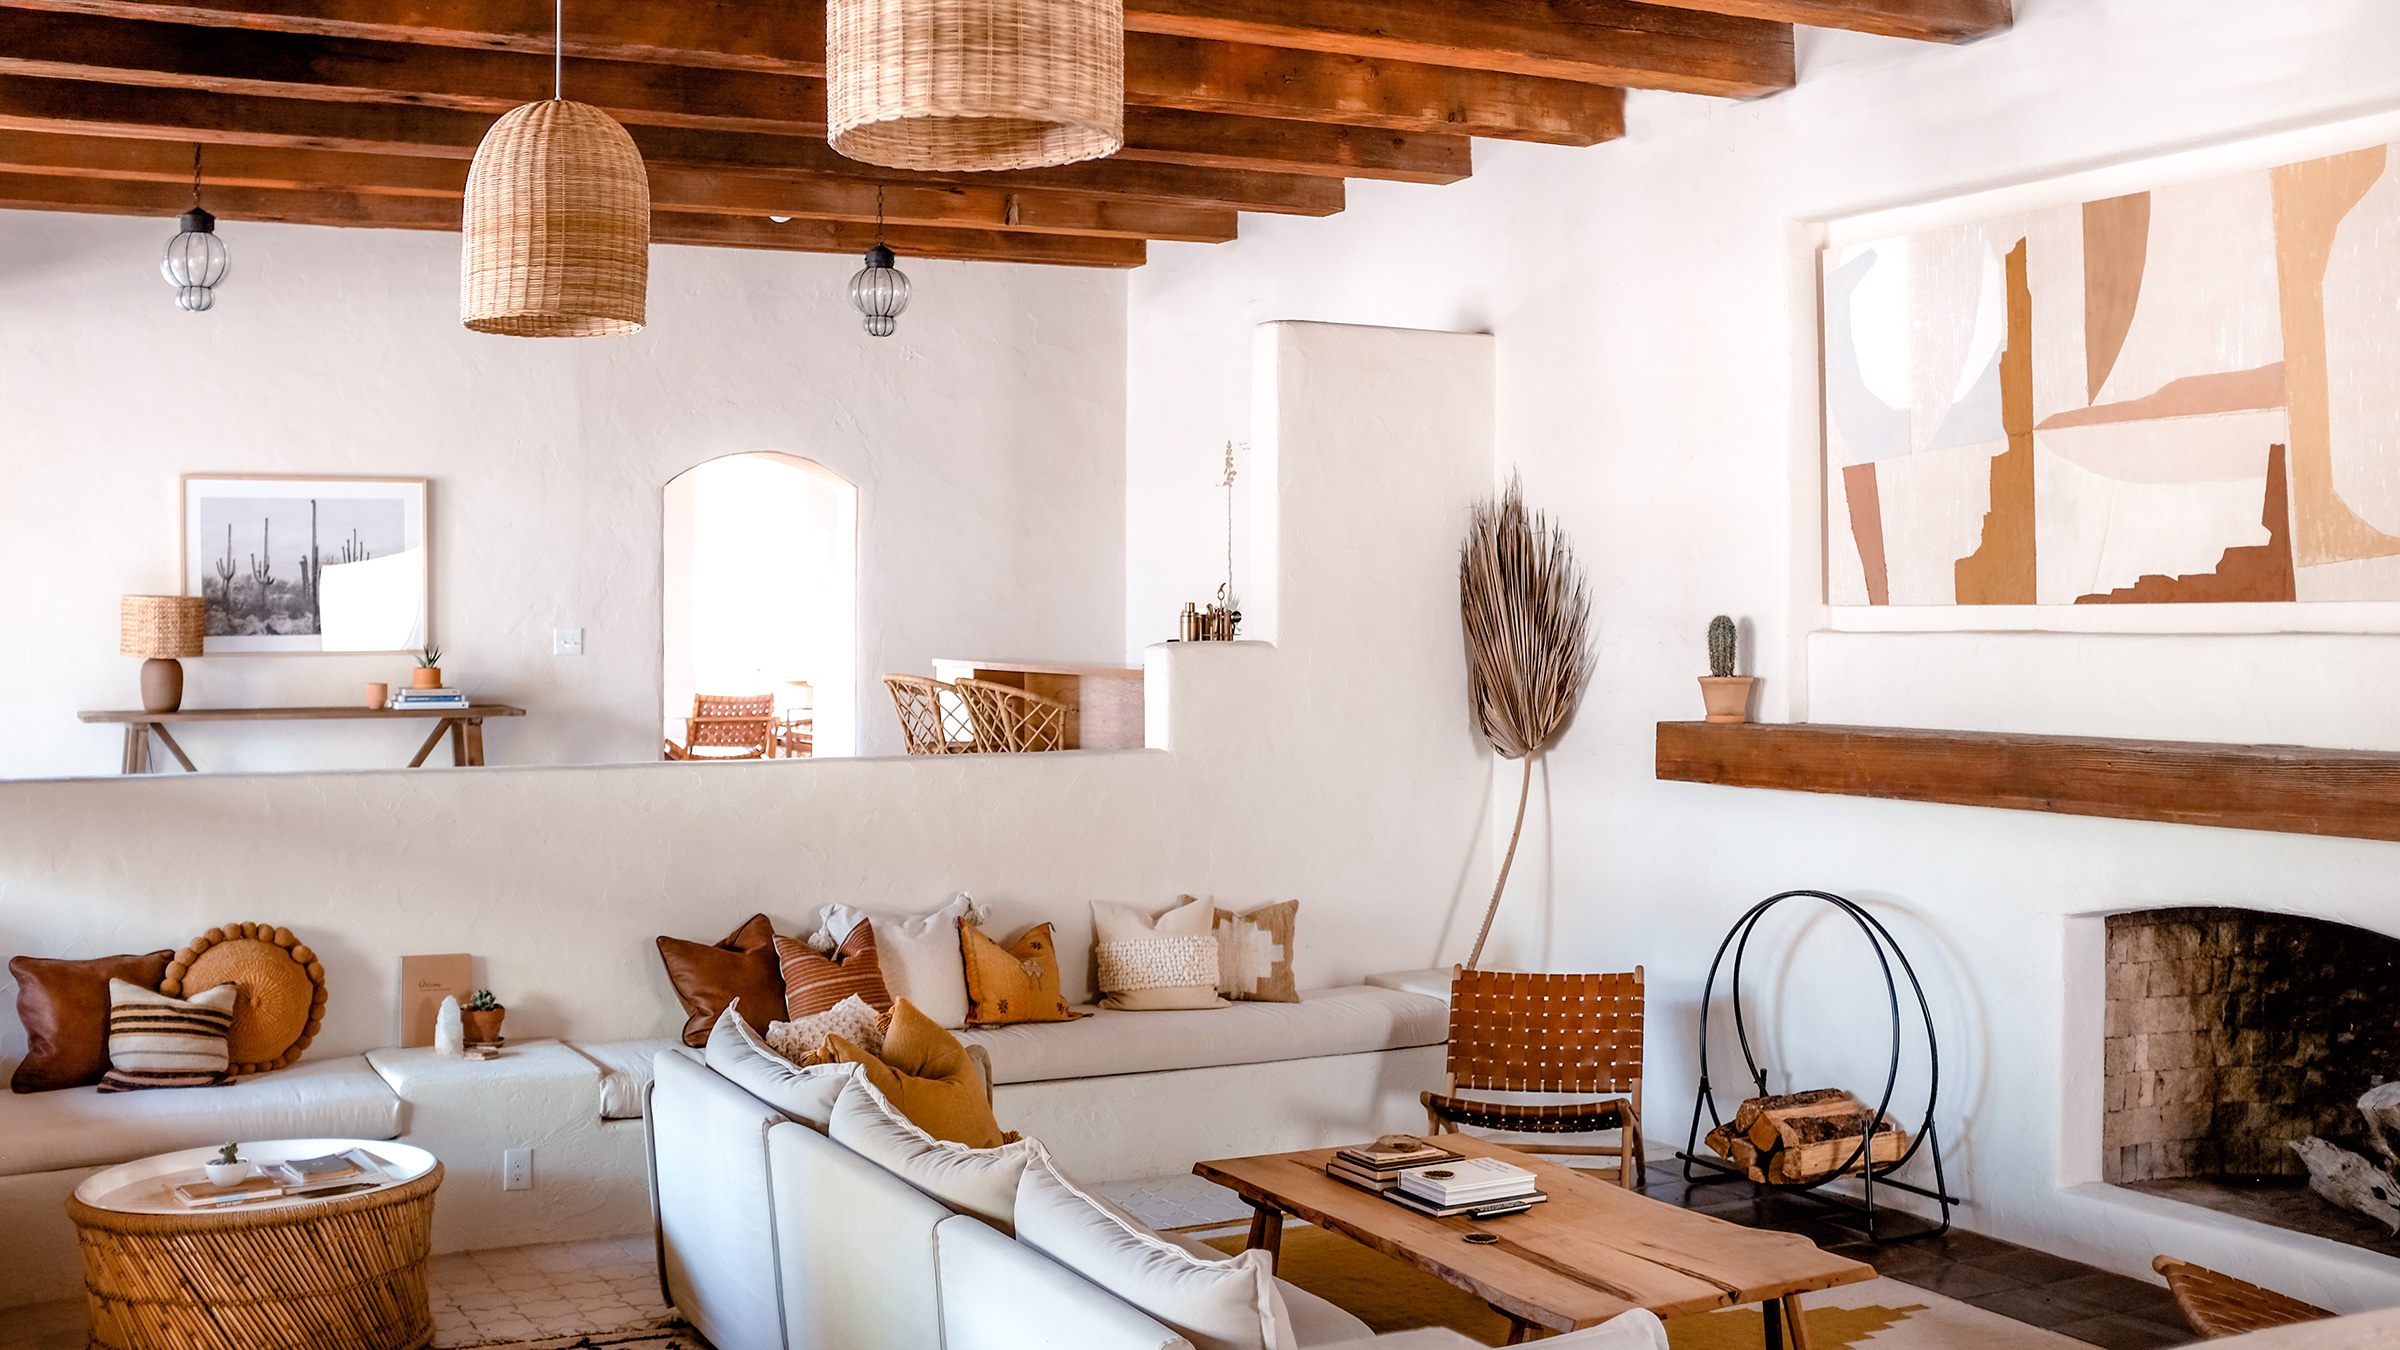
(566, 642)
(516, 1169)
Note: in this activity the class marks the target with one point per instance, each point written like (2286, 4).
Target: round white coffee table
(337, 1272)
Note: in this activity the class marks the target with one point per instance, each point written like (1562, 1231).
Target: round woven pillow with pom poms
(280, 990)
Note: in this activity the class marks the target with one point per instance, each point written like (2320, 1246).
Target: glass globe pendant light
(879, 290)
(196, 261)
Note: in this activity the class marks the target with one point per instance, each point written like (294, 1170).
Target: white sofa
(772, 1236)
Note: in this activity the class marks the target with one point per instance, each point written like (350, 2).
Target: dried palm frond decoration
(1527, 617)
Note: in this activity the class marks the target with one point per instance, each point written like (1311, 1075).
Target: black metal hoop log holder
(1871, 1174)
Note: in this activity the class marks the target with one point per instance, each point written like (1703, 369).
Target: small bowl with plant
(228, 1167)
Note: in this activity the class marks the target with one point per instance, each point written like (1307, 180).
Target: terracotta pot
(425, 677)
(482, 1026)
(1727, 697)
(378, 695)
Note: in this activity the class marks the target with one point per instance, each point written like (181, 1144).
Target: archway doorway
(761, 596)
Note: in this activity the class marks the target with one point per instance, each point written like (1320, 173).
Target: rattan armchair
(727, 726)
(2219, 1306)
(1564, 1034)
(1011, 719)
(933, 717)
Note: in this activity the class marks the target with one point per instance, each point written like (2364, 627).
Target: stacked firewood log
(1801, 1136)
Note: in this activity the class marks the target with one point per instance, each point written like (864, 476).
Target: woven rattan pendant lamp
(557, 223)
(956, 85)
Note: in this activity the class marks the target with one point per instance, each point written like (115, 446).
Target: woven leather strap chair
(1009, 718)
(1580, 1034)
(2219, 1306)
(932, 716)
(727, 726)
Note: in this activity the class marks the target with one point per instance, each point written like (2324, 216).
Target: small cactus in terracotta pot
(1725, 694)
(481, 1016)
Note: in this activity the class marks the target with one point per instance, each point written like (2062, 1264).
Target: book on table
(1377, 1166)
(304, 1176)
(209, 1195)
(1468, 1181)
(1480, 1209)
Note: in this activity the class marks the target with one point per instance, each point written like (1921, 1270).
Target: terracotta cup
(378, 695)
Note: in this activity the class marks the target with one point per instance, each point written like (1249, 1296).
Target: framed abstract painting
(307, 564)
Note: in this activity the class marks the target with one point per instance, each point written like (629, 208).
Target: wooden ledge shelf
(2286, 788)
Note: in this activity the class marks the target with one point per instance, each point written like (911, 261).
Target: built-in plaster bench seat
(1129, 1094)
(625, 1073)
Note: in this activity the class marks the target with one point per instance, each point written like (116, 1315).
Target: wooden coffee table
(1591, 1252)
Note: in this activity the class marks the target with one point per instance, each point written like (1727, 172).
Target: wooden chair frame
(740, 722)
(2219, 1305)
(1567, 1034)
(1011, 719)
(933, 716)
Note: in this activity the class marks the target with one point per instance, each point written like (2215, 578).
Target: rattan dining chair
(727, 726)
(1012, 719)
(933, 717)
(2219, 1306)
(1565, 1034)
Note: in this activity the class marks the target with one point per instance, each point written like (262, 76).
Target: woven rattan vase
(975, 84)
(557, 226)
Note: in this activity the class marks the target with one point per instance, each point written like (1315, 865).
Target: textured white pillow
(977, 1181)
(919, 957)
(802, 1040)
(804, 1094)
(1229, 1304)
(1150, 965)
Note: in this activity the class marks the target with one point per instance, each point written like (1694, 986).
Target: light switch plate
(516, 1169)
(566, 642)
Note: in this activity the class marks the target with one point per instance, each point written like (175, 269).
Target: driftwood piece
(2380, 1104)
(2350, 1181)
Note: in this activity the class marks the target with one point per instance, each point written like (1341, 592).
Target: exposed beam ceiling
(365, 111)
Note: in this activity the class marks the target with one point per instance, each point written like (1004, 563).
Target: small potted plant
(228, 1168)
(482, 1015)
(428, 674)
(1725, 694)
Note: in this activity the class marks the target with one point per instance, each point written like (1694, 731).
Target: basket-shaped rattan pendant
(557, 226)
(956, 85)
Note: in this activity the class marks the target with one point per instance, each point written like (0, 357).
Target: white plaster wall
(1654, 324)
(1333, 768)
(986, 440)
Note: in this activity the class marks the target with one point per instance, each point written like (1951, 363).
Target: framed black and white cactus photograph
(307, 564)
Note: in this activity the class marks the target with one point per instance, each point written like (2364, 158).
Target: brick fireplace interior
(2231, 1033)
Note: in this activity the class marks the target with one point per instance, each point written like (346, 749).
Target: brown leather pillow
(707, 976)
(64, 1006)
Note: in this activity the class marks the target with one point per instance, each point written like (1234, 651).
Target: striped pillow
(156, 1041)
(814, 983)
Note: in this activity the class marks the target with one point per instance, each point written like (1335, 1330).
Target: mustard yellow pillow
(925, 1074)
(1012, 984)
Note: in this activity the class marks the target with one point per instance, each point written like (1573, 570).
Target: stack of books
(1377, 1166)
(429, 698)
(1480, 1188)
(291, 1177)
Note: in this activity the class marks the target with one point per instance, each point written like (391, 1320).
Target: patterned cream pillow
(159, 1041)
(1151, 965)
(802, 1040)
(1254, 953)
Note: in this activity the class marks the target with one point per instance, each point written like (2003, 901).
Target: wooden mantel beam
(2287, 788)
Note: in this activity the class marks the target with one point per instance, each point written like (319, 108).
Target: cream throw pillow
(919, 957)
(1150, 965)
(158, 1041)
(1254, 953)
(977, 1181)
(803, 1092)
(802, 1040)
(1216, 1305)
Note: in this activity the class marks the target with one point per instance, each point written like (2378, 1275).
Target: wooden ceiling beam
(1280, 145)
(1924, 20)
(186, 116)
(1616, 42)
(44, 192)
(286, 65)
(1279, 82)
(672, 188)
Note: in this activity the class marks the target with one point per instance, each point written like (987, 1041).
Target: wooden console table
(465, 726)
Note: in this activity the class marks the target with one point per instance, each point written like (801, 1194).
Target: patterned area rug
(676, 1337)
(1390, 1295)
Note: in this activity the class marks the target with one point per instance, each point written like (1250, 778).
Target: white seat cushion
(625, 1071)
(1315, 1321)
(78, 1127)
(1324, 1022)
